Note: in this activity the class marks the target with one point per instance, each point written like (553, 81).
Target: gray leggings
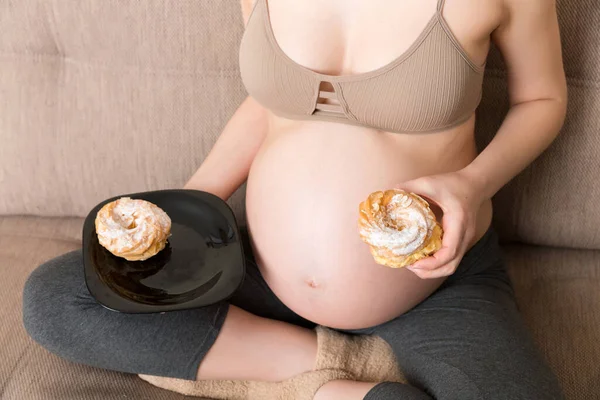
(466, 341)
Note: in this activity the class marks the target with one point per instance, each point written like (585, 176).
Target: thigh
(468, 341)
(61, 315)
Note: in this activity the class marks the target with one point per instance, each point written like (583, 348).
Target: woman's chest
(395, 69)
(355, 36)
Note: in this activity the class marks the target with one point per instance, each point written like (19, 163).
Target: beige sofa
(104, 97)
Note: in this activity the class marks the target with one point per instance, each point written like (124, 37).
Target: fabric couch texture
(102, 98)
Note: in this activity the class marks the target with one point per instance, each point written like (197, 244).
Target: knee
(52, 293)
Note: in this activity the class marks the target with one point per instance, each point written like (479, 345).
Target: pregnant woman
(347, 98)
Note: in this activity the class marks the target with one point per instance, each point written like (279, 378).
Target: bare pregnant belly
(302, 199)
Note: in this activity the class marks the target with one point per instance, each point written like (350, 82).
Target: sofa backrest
(555, 201)
(100, 98)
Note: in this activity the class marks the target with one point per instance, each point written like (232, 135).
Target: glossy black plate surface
(202, 264)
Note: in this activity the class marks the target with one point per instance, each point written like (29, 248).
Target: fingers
(454, 222)
(446, 270)
(422, 186)
(445, 261)
(454, 233)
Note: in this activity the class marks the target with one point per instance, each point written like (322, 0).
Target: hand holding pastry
(399, 227)
(458, 194)
(133, 229)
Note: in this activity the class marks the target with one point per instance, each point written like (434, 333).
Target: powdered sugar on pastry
(400, 227)
(400, 239)
(132, 229)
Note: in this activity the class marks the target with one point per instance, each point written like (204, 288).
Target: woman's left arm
(530, 44)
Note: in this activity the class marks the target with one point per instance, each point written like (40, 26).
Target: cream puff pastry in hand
(399, 227)
(132, 229)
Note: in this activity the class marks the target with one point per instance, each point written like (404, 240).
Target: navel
(312, 282)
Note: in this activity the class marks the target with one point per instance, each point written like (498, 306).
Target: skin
(305, 179)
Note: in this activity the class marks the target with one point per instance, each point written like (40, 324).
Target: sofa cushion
(27, 371)
(557, 292)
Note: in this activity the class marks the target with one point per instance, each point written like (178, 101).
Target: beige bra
(432, 86)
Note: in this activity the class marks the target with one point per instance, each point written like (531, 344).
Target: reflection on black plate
(203, 262)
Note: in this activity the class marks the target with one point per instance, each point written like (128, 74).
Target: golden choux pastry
(399, 227)
(133, 229)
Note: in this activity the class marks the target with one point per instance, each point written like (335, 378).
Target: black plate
(202, 264)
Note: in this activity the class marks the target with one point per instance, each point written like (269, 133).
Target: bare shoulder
(521, 18)
(472, 23)
(247, 6)
(529, 39)
(529, 6)
(476, 17)
(474, 20)
(536, 11)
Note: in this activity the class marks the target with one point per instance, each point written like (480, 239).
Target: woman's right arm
(227, 165)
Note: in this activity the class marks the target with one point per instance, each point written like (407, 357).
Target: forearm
(226, 166)
(528, 129)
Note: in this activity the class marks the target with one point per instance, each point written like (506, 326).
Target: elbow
(554, 104)
(560, 102)
(558, 110)
(561, 99)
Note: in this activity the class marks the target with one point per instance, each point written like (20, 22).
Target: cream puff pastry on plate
(133, 229)
(161, 251)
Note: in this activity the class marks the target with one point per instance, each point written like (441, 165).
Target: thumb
(418, 186)
(424, 188)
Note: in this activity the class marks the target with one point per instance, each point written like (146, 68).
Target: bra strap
(440, 6)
